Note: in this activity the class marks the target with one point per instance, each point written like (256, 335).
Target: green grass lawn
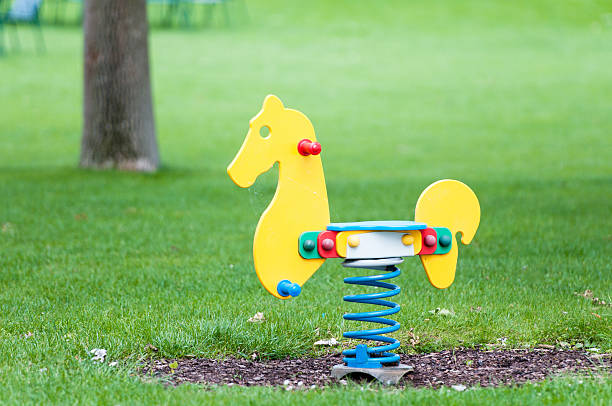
(513, 98)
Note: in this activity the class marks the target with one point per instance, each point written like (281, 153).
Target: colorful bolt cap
(304, 245)
(430, 240)
(445, 240)
(407, 239)
(309, 245)
(425, 248)
(327, 244)
(353, 241)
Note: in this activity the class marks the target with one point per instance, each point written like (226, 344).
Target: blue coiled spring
(373, 357)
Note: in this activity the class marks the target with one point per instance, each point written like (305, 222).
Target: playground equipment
(294, 235)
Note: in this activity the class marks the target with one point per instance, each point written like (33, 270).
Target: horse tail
(451, 204)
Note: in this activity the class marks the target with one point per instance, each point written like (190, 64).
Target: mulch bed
(467, 367)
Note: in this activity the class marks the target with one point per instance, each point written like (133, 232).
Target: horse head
(272, 136)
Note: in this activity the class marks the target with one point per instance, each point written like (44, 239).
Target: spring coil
(374, 357)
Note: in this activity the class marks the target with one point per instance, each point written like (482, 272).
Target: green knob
(445, 240)
(309, 245)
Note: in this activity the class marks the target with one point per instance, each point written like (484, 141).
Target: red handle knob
(430, 240)
(307, 147)
(327, 244)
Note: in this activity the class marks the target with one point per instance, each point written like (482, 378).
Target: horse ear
(272, 102)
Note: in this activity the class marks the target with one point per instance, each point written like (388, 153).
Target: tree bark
(118, 123)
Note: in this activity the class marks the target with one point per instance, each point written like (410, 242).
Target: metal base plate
(385, 375)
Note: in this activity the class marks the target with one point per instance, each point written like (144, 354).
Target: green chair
(21, 12)
(209, 6)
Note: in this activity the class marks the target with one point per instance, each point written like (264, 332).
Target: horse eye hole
(264, 131)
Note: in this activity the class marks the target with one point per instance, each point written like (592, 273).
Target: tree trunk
(118, 124)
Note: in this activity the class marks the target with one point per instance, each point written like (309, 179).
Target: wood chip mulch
(467, 367)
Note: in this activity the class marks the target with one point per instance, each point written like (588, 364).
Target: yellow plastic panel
(452, 204)
(300, 202)
(418, 243)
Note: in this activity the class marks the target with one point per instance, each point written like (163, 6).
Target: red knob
(430, 240)
(327, 244)
(307, 147)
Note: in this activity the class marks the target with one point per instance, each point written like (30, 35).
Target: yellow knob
(407, 239)
(353, 241)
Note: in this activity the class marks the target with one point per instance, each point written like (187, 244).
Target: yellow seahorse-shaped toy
(290, 243)
(294, 236)
(300, 202)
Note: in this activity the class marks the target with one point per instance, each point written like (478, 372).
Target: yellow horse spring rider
(294, 235)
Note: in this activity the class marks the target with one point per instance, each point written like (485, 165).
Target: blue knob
(287, 288)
